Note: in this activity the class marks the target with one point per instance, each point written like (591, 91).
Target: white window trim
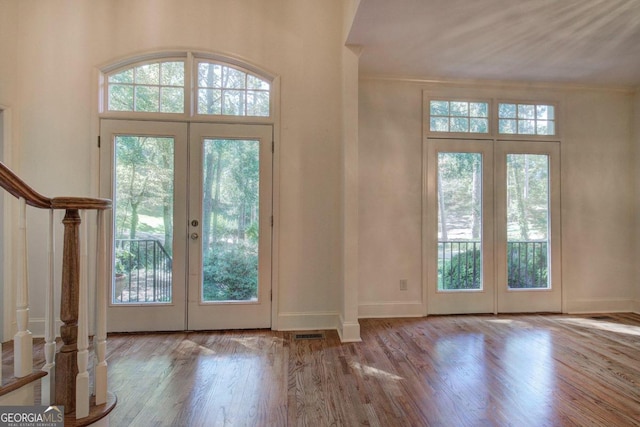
(190, 114)
(525, 137)
(493, 133)
(457, 135)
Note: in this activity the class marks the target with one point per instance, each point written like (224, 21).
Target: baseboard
(308, 321)
(602, 305)
(37, 327)
(349, 331)
(636, 306)
(391, 309)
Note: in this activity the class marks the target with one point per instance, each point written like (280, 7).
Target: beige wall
(636, 133)
(597, 206)
(61, 43)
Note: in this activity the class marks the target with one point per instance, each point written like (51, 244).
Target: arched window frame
(191, 61)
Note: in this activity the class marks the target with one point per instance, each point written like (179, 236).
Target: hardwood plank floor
(520, 370)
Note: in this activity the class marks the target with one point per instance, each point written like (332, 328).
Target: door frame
(157, 316)
(446, 302)
(430, 218)
(223, 311)
(521, 300)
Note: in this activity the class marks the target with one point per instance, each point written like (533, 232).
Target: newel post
(66, 358)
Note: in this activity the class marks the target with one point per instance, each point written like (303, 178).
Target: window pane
(507, 111)
(233, 103)
(544, 112)
(171, 100)
(527, 220)
(439, 124)
(120, 98)
(459, 124)
(258, 103)
(526, 111)
(256, 83)
(148, 74)
(209, 75)
(526, 127)
(143, 209)
(123, 77)
(543, 128)
(439, 108)
(233, 79)
(479, 109)
(209, 101)
(460, 108)
(230, 224)
(459, 221)
(147, 98)
(507, 126)
(479, 126)
(172, 74)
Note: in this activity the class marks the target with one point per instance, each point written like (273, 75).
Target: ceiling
(558, 41)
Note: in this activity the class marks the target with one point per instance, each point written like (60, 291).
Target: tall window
(187, 85)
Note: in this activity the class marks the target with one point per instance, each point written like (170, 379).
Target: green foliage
(461, 271)
(527, 265)
(231, 273)
(527, 268)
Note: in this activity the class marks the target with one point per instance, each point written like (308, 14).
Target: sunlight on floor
(604, 326)
(374, 372)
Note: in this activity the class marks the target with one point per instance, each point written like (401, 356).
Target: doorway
(191, 224)
(493, 226)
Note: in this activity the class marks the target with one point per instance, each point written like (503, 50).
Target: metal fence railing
(460, 265)
(143, 272)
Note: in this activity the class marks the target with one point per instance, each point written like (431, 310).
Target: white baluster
(100, 338)
(22, 341)
(82, 379)
(49, 382)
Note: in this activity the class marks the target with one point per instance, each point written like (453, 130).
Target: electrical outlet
(403, 284)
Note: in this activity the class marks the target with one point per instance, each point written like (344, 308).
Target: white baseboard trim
(601, 305)
(391, 309)
(37, 328)
(349, 331)
(308, 321)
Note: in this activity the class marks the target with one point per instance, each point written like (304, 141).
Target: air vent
(309, 336)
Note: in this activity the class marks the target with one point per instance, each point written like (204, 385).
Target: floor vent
(309, 336)
(601, 318)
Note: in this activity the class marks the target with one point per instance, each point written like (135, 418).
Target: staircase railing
(67, 379)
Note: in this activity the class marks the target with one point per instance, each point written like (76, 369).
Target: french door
(191, 224)
(492, 235)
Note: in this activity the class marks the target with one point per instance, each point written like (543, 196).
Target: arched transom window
(163, 86)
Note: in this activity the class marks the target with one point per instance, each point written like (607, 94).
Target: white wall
(8, 52)
(62, 42)
(597, 205)
(636, 133)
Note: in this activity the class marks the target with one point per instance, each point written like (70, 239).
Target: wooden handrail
(71, 361)
(19, 189)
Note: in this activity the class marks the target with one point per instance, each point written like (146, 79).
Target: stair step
(13, 383)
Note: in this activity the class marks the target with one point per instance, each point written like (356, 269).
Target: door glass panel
(528, 221)
(459, 221)
(143, 219)
(230, 220)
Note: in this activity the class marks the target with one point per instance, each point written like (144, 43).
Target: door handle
(194, 236)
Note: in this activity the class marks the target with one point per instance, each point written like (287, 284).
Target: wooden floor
(528, 370)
